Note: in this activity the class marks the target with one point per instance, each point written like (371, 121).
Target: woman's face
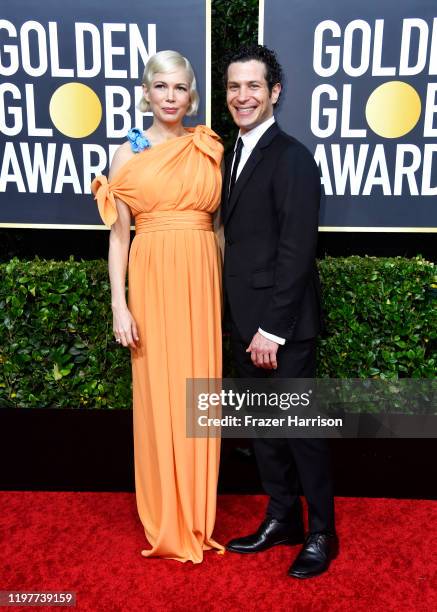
(169, 95)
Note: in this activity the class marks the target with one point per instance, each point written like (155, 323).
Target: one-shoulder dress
(174, 275)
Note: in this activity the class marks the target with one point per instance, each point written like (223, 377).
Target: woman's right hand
(125, 328)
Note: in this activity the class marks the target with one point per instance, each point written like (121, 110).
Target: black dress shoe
(316, 554)
(270, 533)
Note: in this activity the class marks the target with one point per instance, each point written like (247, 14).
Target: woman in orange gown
(169, 180)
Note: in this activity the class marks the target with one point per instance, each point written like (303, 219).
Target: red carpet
(91, 542)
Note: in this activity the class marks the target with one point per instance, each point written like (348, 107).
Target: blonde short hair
(168, 61)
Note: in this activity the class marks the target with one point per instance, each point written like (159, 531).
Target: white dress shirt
(250, 140)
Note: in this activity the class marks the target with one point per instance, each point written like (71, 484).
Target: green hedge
(381, 318)
(233, 24)
(56, 346)
(56, 337)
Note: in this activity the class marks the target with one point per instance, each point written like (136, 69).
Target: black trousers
(288, 466)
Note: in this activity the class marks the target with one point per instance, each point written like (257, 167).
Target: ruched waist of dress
(173, 220)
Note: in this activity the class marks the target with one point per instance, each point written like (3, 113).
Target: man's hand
(263, 352)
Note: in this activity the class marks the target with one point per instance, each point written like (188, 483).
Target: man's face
(247, 94)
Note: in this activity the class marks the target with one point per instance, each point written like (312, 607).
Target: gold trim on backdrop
(261, 22)
(208, 65)
(322, 228)
(383, 230)
(51, 226)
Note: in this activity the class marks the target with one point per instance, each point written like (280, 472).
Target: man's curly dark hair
(260, 53)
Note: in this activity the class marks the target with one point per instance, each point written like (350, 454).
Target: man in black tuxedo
(270, 210)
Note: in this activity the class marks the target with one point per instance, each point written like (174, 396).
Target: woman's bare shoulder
(122, 154)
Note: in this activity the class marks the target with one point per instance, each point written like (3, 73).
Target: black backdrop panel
(70, 76)
(361, 93)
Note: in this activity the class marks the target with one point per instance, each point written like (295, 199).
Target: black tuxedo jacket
(271, 224)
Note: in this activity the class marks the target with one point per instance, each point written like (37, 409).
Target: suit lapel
(254, 159)
(226, 179)
(250, 165)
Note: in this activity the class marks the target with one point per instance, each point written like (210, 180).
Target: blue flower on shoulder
(138, 141)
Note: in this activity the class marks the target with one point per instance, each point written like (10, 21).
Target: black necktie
(237, 158)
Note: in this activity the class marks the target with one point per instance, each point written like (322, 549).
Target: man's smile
(245, 110)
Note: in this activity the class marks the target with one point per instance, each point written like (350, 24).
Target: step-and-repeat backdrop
(361, 94)
(70, 80)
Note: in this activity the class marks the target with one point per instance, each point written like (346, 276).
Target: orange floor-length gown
(175, 297)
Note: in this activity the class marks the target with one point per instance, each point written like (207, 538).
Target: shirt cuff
(272, 337)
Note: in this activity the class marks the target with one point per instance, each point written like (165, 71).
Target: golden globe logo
(31, 162)
(392, 110)
(75, 110)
